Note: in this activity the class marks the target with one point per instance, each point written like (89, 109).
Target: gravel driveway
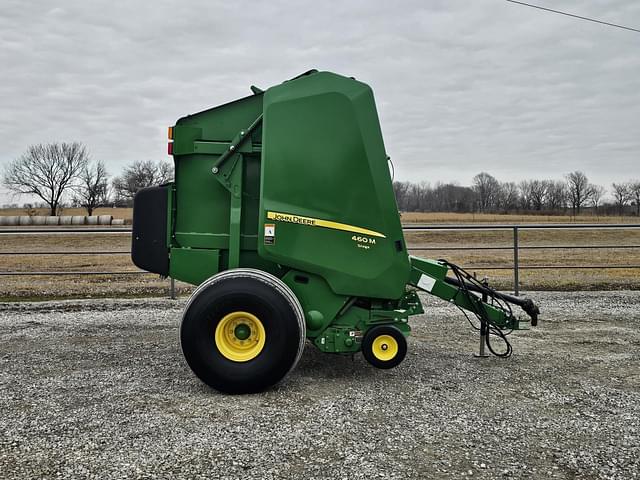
(99, 389)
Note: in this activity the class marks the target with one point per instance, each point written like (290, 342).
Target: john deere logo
(317, 222)
(284, 217)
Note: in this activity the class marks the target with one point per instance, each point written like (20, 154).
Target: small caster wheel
(384, 346)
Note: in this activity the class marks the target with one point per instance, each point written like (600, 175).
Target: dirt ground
(99, 389)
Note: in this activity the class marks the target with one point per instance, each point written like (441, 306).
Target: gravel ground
(99, 389)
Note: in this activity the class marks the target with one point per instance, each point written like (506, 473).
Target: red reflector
(170, 148)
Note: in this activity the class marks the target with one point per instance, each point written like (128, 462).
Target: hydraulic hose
(527, 305)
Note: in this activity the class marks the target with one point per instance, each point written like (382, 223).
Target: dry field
(455, 218)
(72, 286)
(90, 286)
(541, 279)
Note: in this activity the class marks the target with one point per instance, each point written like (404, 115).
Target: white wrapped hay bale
(65, 220)
(38, 220)
(117, 221)
(92, 220)
(104, 219)
(24, 220)
(52, 220)
(78, 220)
(11, 220)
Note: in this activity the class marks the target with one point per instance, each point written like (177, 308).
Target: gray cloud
(461, 86)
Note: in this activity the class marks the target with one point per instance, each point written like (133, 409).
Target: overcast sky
(461, 86)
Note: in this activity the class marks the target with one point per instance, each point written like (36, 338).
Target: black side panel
(149, 237)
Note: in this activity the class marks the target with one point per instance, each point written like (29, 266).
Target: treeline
(569, 196)
(62, 174)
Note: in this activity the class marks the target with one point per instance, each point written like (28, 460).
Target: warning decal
(426, 282)
(269, 233)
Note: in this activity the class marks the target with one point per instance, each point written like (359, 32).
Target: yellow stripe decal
(316, 222)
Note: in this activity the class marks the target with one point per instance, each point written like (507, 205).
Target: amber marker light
(170, 144)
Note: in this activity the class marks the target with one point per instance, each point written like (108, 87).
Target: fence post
(516, 263)
(172, 289)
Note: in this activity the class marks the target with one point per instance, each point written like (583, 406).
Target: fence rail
(515, 247)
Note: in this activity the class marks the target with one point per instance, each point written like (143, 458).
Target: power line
(575, 16)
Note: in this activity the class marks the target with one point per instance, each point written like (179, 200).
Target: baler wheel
(384, 346)
(242, 331)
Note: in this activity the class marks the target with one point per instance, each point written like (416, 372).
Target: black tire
(380, 351)
(264, 297)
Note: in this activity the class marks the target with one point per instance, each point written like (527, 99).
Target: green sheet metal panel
(326, 187)
(193, 265)
(202, 203)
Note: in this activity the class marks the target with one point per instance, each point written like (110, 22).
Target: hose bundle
(467, 284)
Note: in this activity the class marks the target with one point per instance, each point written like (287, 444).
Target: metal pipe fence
(74, 231)
(515, 247)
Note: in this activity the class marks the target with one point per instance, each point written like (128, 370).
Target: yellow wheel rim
(240, 336)
(384, 347)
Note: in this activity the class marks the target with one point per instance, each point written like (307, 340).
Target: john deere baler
(283, 213)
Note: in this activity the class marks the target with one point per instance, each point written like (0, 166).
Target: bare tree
(525, 194)
(538, 193)
(93, 189)
(621, 195)
(556, 195)
(440, 198)
(458, 198)
(140, 175)
(634, 192)
(487, 188)
(164, 172)
(47, 171)
(577, 190)
(510, 196)
(414, 197)
(401, 191)
(597, 192)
